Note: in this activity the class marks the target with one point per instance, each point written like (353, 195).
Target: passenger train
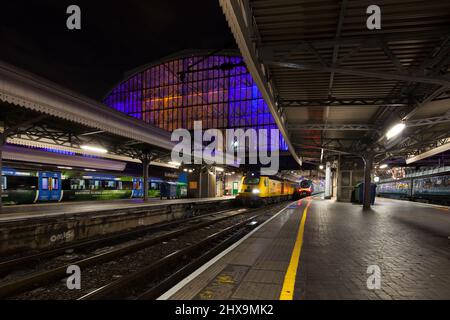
(432, 188)
(26, 186)
(259, 190)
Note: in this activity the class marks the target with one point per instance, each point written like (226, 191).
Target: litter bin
(360, 193)
(168, 190)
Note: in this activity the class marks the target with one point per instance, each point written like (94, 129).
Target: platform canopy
(39, 114)
(336, 87)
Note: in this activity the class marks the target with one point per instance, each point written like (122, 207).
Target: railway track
(209, 243)
(34, 258)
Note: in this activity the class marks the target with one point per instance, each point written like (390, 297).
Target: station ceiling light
(174, 163)
(219, 169)
(395, 130)
(321, 167)
(68, 168)
(383, 166)
(376, 179)
(91, 170)
(94, 149)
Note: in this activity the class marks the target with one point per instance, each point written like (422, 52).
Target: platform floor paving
(342, 249)
(26, 211)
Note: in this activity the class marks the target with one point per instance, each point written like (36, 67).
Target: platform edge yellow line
(287, 291)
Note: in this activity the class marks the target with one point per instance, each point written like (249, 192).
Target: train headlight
(255, 191)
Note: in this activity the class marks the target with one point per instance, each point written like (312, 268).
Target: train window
(126, 185)
(55, 184)
(305, 184)
(20, 183)
(119, 185)
(251, 180)
(137, 185)
(109, 184)
(44, 184)
(77, 184)
(4, 183)
(154, 186)
(95, 184)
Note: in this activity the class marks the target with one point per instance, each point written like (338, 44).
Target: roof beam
(339, 127)
(362, 73)
(336, 45)
(356, 41)
(342, 102)
(429, 121)
(439, 149)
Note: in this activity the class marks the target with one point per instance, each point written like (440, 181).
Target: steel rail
(111, 290)
(8, 265)
(42, 277)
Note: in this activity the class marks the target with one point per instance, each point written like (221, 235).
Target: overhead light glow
(174, 163)
(94, 149)
(91, 170)
(219, 169)
(376, 179)
(68, 168)
(321, 167)
(383, 166)
(395, 130)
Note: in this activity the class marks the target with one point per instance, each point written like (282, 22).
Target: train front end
(252, 190)
(306, 188)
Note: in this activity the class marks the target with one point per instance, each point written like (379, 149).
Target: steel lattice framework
(173, 93)
(337, 86)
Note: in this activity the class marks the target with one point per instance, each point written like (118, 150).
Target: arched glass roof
(173, 93)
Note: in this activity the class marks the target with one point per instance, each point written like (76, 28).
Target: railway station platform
(40, 226)
(323, 249)
(49, 210)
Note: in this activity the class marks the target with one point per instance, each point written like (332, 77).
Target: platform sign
(49, 186)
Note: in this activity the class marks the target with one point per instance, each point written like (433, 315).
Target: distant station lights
(321, 167)
(383, 166)
(395, 130)
(94, 149)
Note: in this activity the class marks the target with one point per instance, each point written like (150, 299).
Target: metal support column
(145, 159)
(328, 181)
(368, 162)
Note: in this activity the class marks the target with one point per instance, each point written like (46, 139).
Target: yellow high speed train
(258, 190)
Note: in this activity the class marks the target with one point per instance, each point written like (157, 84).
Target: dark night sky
(115, 37)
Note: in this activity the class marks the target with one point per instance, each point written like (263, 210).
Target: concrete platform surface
(26, 211)
(397, 250)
